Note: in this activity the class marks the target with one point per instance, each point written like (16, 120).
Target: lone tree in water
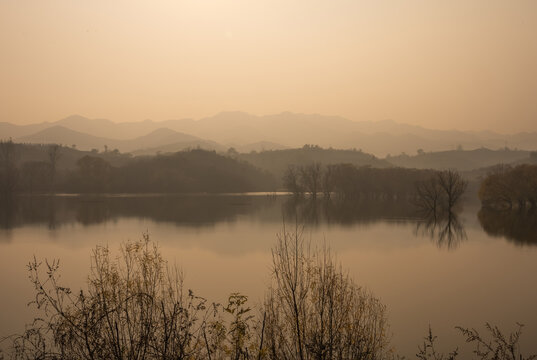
(452, 185)
(441, 192)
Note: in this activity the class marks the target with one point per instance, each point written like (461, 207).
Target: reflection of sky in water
(223, 245)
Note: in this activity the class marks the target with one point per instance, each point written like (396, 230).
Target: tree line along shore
(311, 171)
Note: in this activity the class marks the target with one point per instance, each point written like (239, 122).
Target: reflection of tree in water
(363, 211)
(445, 230)
(203, 211)
(517, 226)
(19, 211)
(8, 212)
(55, 211)
(185, 210)
(94, 210)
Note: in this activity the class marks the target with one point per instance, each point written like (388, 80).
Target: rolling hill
(460, 159)
(277, 161)
(284, 130)
(163, 140)
(61, 135)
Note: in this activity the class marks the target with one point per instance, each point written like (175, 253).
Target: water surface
(479, 267)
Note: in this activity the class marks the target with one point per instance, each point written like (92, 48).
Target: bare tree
(453, 186)
(310, 176)
(328, 182)
(291, 180)
(429, 197)
(315, 311)
(440, 193)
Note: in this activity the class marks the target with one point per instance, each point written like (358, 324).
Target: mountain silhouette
(283, 130)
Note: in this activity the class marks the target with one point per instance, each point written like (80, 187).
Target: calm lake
(482, 267)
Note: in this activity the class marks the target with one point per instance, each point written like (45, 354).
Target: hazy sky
(442, 64)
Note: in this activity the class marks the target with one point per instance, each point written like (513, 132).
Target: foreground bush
(497, 346)
(315, 311)
(136, 307)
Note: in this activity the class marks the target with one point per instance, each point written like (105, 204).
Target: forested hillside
(191, 171)
(53, 168)
(277, 161)
(462, 160)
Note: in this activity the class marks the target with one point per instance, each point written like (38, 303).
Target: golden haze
(451, 64)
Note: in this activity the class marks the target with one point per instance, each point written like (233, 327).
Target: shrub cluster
(509, 187)
(136, 307)
(348, 181)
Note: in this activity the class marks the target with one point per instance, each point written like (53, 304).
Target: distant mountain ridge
(58, 134)
(248, 132)
(61, 135)
(460, 159)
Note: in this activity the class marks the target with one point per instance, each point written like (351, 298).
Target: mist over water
(465, 272)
